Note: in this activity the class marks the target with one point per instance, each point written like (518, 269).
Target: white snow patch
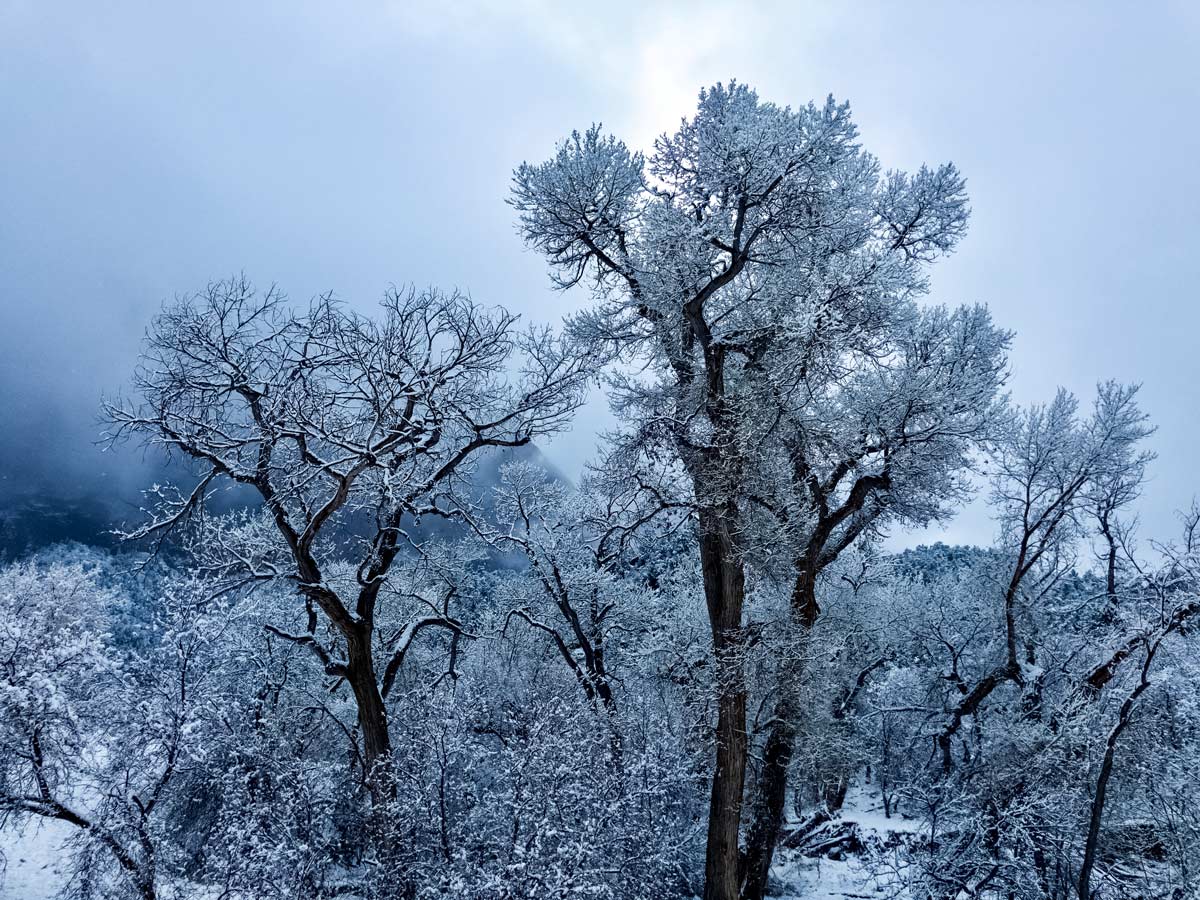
(865, 808)
(799, 877)
(35, 861)
(823, 879)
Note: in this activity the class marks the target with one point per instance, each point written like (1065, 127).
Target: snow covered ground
(796, 875)
(33, 861)
(823, 879)
(36, 862)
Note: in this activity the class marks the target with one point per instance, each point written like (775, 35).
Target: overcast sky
(147, 148)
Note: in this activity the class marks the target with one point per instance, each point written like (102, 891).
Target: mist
(150, 149)
(459, 629)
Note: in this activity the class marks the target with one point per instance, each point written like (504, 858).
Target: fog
(149, 148)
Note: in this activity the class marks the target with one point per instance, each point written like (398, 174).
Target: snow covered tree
(336, 421)
(1044, 464)
(999, 650)
(576, 544)
(92, 735)
(880, 431)
(543, 520)
(397, 660)
(763, 270)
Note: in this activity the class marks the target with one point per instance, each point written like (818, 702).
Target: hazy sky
(147, 148)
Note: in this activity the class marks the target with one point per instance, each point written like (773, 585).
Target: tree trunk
(767, 817)
(372, 712)
(1096, 819)
(1109, 613)
(724, 591)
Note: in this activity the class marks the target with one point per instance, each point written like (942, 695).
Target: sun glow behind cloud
(346, 146)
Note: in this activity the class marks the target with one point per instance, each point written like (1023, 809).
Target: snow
(864, 807)
(799, 877)
(823, 879)
(35, 862)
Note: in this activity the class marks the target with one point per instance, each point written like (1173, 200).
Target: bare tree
(339, 423)
(1109, 497)
(1172, 594)
(1044, 466)
(576, 543)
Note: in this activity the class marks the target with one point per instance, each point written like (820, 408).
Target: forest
(367, 642)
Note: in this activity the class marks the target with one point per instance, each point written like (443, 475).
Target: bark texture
(724, 589)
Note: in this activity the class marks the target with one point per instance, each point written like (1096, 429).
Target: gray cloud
(149, 148)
